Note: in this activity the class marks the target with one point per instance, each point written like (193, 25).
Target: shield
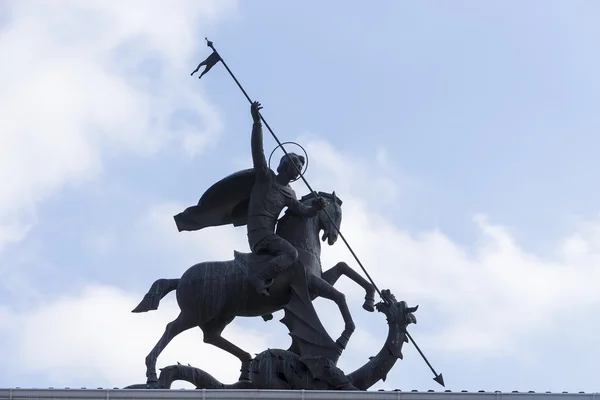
(224, 203)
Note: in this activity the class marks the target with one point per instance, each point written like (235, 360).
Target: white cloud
(490, 296)
(157, 228)
(76, 87)
(92, 339)
(373, 178)
(11, 230)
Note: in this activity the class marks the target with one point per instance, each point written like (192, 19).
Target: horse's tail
(157, 291)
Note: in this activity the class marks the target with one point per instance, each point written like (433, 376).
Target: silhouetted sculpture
(283, 271)
(282, 369)
(211, 294)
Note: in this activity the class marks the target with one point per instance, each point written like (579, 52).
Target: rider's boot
(265, 278)
(261, 284)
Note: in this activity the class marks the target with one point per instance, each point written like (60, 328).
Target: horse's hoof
(153, 384)
(369, 304)
(243, 385)
(245, 371)
(138, 386)
(244, 376)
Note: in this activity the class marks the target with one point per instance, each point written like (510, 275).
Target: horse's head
(334, 209)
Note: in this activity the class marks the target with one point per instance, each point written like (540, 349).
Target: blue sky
(465, 130)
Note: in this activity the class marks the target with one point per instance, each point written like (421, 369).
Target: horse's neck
(302, 233)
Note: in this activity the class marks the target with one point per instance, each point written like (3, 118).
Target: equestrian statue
(283, 271)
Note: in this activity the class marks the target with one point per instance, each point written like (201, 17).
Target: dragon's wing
(224, 203)
(310, 340)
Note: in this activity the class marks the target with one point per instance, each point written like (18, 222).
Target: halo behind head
(305, 158)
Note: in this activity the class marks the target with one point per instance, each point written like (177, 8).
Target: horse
(211, 294)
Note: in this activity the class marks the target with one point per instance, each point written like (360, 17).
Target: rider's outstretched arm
(300, 209)
(258, 154)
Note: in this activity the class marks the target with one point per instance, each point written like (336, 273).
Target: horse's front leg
(341, 268)
(320, 287)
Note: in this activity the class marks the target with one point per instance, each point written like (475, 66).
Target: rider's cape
(224, 203)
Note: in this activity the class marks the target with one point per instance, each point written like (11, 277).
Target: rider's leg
(285, 255)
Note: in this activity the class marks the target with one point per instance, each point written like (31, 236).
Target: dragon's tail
(157, 291)
(197, 377)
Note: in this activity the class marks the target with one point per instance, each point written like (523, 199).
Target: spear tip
(440, 379)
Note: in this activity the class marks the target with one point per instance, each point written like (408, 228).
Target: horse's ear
(336, 199)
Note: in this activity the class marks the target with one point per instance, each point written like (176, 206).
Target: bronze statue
(211, 294)
(283, 271)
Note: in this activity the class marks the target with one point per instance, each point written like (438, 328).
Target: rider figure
(270, 194)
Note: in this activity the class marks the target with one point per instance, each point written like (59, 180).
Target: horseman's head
(290, 166)
(334, 209)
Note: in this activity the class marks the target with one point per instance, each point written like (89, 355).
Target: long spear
(210, 62)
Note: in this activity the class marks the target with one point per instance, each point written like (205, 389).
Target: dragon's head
(396, 312)
(399, 316)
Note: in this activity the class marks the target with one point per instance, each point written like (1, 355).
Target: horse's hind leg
(320, 287)
(212, 335)
(182, 323)
(341, 268)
